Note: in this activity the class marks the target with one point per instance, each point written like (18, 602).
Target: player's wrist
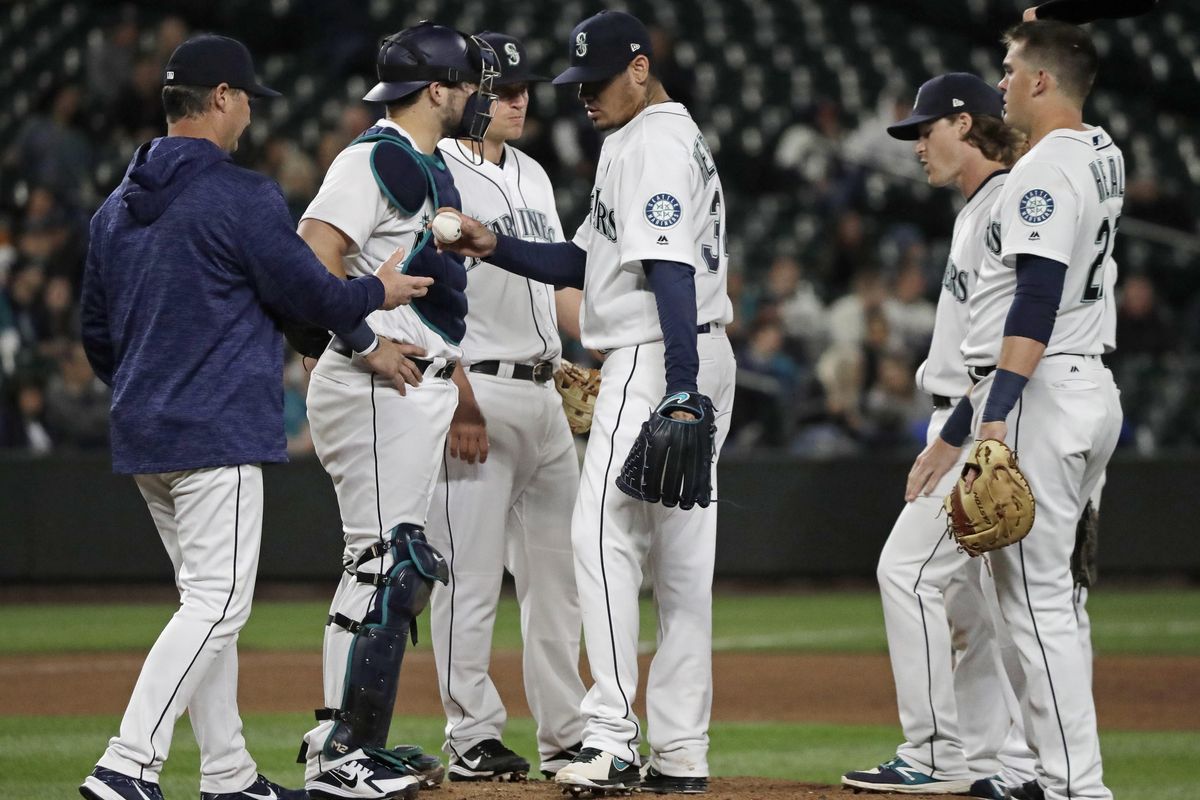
(1006, 390)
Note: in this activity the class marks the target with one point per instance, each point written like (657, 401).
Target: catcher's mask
(426, 53)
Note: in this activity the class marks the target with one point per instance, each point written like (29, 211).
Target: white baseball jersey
(350, 200)
(943, 371)
(657, 196)
(1063, 202)
(511, 318)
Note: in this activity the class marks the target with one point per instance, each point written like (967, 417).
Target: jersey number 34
(712, 252)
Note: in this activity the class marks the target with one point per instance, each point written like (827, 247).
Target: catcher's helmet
(417, 56)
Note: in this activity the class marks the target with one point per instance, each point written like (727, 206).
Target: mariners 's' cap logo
(663, 210)
(1037, 206)
(581, 44)
(514, 55)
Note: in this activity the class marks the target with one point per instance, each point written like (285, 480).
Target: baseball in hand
(447, 227)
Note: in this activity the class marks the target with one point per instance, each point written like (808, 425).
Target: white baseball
(447, 227)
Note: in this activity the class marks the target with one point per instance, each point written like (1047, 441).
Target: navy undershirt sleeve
(558, 264)
(674, 287)
(1035, 301)
(958, 425)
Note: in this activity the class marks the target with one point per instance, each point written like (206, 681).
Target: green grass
(46, 757)
(1124, 621)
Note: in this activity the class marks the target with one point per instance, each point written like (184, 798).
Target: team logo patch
(514, 55)
(581, 44)
(1037, 206)
(663, 210)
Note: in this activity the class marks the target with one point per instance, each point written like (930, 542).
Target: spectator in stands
(837, 428)
(910, 313)
(847, 251)
(58, 319)
(53, 235)
(22, 424)
(869, 145)
(52, 151)
(848, 314)
(811, 150)
(23, 296)
(767, 378)
(110, 57)
(796, 305)
(137, 109)
(77, 404)
(894, 415)
(1144, 326)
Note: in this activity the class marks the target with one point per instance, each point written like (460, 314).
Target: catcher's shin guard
(373, 663)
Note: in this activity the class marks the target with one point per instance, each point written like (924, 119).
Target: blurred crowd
(833, 310)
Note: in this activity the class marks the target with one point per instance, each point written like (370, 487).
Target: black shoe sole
(514, 776)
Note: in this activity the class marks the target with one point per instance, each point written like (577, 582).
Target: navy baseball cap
(209, 60)
(953, 93)
(603, 45)
(514, 61)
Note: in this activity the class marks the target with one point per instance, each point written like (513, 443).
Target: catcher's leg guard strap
(373, 663)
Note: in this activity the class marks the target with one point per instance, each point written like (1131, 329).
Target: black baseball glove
(305, 339)
(671, 459)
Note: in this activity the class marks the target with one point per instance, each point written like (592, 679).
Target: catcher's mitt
(307, 340)
(578, 387)
(991, 506)
(671, 459)
(1087, 543)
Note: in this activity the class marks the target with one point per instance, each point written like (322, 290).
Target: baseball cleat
(597, 770)
(1030, 790)
(657, 783)
(363, 779)
(107, 784)
(489, 760)
(551, 765)
(897, 776)
(990, 787)
(261, 789)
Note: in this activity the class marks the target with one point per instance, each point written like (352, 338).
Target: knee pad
(373, 668)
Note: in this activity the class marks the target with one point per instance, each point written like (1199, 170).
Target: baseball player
(651, 260)
(380, 445)
(510, 473)
(192, 261)
(1036, 334)
(926, 582)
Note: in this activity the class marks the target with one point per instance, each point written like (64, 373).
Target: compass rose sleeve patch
(1036, 206)
(663, 210)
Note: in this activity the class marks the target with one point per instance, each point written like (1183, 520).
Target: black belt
(538, 373)
(976, 374)
(708, 326)
(343, 349)
(941, 401)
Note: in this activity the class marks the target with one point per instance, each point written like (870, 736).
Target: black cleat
(489, 760)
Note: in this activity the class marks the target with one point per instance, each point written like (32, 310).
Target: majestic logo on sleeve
(1037, 206)
(581, 44)
(663, 210)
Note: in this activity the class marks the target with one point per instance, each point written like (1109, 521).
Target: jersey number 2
(712, 253)
(1093, 290)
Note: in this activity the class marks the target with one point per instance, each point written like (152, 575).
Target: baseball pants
(382, 450)
(614, 535)
(513, 510)
(1064, 429)
(210, 522)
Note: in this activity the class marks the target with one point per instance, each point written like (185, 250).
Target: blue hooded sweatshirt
(191, 260)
